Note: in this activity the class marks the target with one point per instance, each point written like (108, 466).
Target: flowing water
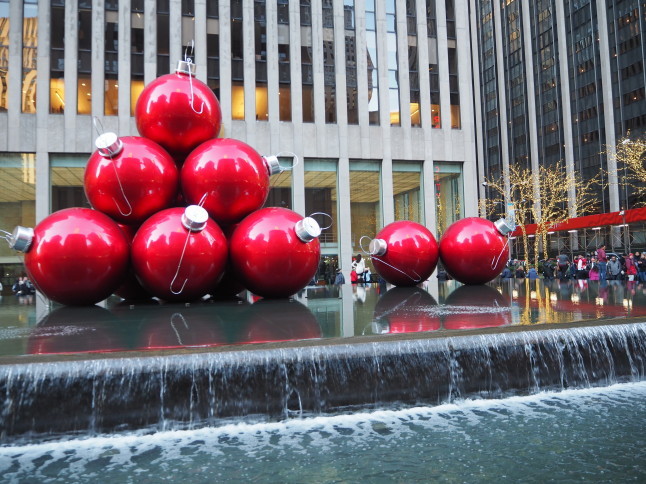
(592, 435)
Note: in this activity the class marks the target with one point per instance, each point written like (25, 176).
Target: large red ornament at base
(76, 256)
(474, 250)
(130, 178)
(179, 254)
(404, 253)
(275, 252)
(178, 112)
(231, 174)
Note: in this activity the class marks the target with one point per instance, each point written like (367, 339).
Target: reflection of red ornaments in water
(157, 253)
(409, 255)
(271, 321)
(406, 310)
(234, 177)
(147, 180)
(476, 307)
(77, 256)
(473, 251)
(268, 256)
(167, 114)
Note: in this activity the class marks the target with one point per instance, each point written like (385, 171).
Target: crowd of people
(598, 266)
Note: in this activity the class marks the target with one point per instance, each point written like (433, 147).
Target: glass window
(111, 47)
(137, 52)
(57, 60)
(4, 52)
(284, 74)
(163, 44)
(365, 200)
(351, 63)
(29, 55)
(433, 67)
(448, 194)
(17, 205)
(321, 196)
(307, 73)
(373, 77)
(213, 54)
(260, 38)
(84, 82)
(237, 61)
(393, 73)
(67, 181)
(407, 191)
(280, 192)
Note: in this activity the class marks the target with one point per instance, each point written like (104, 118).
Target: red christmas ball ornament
(474, 250)
(405, 310)
(275, 252)
(75, 256)
(229, 286)
(404, 253)
(130, 178)
(231, 176)
(179, 253)
(178, 111)
(131, 289)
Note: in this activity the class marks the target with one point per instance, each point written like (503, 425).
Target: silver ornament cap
(377, 247)
(21, 238)
(108, 145)
(307, 229)
(273, 165)
(194, 218)
(184, 67)
(504, 226)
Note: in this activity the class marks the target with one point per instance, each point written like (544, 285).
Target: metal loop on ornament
(496, 260)
(285, 154)
(419, 279)
(98, 125)
(366, 252)
(327, 215)
(189, 61)
(202, 200)
(6, 236)
(179, 265)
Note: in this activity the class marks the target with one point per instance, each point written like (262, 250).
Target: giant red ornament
(474, 250)
(275, 252)
(404, 253)
(179, 254)
(231, 175)
(130, 178)
(178, 111)
(75, 256)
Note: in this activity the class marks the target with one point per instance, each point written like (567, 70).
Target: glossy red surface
(131, 289)
(268, 257)
(233, 176)
(412, 252)
(229, 285)
(164, 114)
(157, 250)
(406, 310)
(78, 256)
(473, 251)
(147, 174)
(476, 307)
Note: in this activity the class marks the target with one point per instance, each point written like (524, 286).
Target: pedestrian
(614, 269)
(603, 261)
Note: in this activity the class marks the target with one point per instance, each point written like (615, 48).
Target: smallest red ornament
(404, 253)
(474, 250)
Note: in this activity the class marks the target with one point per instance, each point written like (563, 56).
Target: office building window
(284, 73)
(307, 73)
(433, 67)
(393, 68)
(350, 62)
(260, 39)
(111, 53)
(84, 81)
(407, 191)
(321, 196)
(280, 192)
(373, 68)
(365, 200)
(29, 55)
(237, 61)
(57, 56)
(66, 174)
(449, 194)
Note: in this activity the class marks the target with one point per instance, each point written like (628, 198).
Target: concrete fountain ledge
(42, 399)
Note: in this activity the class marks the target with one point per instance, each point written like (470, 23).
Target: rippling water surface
(596, 435)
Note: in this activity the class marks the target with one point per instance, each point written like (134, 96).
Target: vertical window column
(284, 72)
(454, 85)
(413, 63)
(57, 57)
(260, 51)
(29, 55)
(351, 62)
(329, 72)
(433, 64)
(307, 61)
(213, 47)
(84, 78)
(111, 58)
(393, 67)
(373, 65)
(237, 61)
(449, 194)
(407, 191)
(365, 200)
